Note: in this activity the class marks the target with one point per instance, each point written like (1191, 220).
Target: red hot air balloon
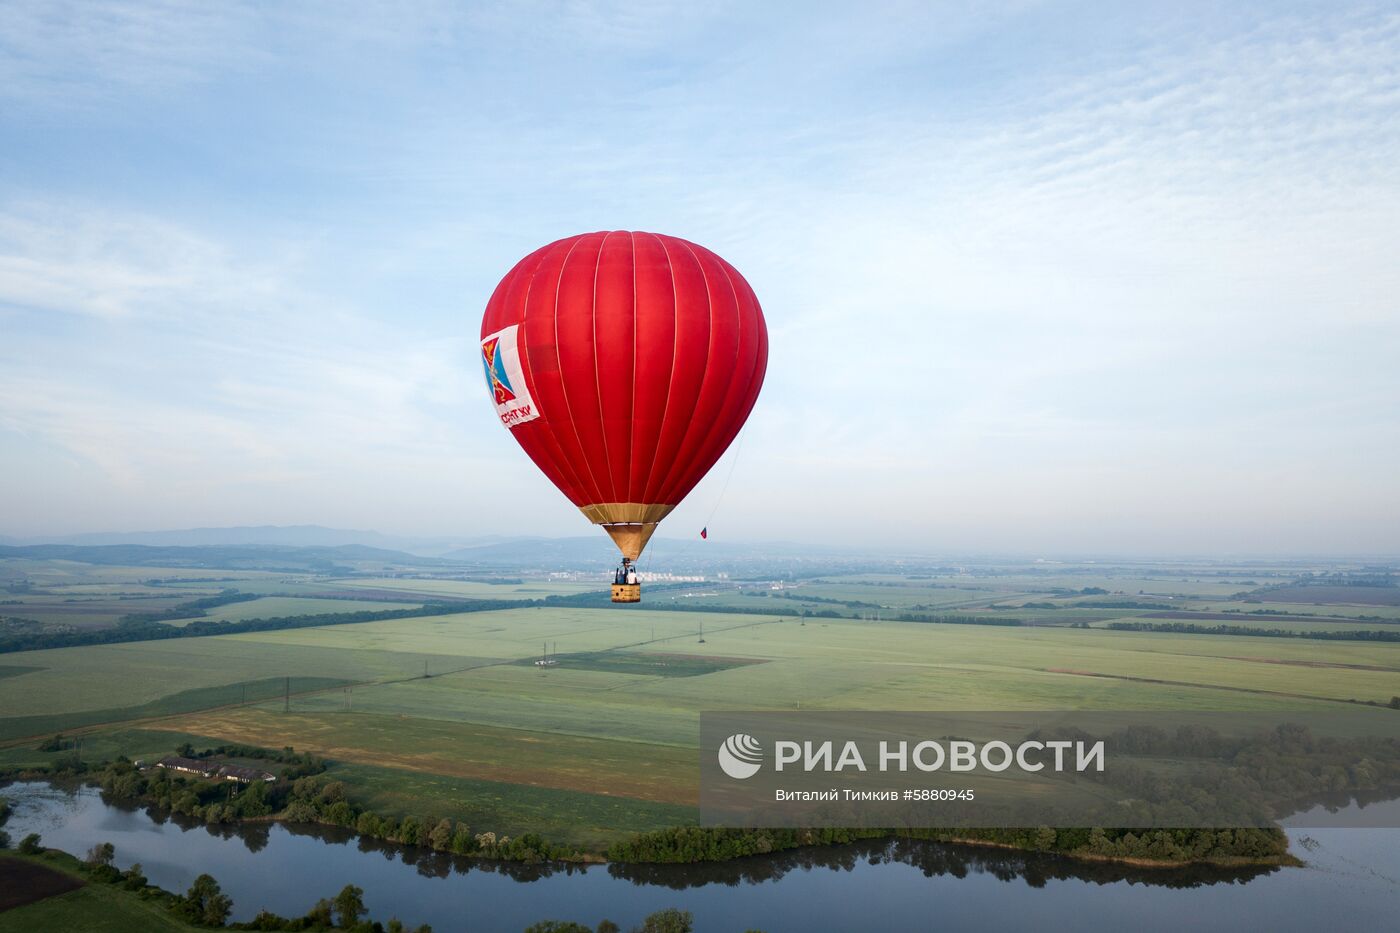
(625, 364)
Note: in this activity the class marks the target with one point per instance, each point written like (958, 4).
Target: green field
(604, 742)
(99, 908)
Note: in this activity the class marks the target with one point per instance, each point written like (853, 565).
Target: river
(1351, 881)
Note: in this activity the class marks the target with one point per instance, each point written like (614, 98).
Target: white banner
(505, 380)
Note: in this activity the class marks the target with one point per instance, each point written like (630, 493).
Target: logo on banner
(741, 756)
(500, 358)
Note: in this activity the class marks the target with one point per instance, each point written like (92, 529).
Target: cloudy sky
(1040, 278)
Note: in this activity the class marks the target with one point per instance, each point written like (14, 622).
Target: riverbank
(282, 868)
(314, 799)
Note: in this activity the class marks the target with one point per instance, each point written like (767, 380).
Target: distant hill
(258, 536)
(316, 548)
(298, 559)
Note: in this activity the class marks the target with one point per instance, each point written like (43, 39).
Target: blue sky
(1040, 278)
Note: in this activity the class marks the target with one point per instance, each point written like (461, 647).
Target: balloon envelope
(624, 364)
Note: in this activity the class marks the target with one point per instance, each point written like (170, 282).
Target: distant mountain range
(261, 536)
(298, 545)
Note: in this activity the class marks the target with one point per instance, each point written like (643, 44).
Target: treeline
(314, 799)
(848, 603)
(193, 609)
(1382, 578)
(317, 800)
(667, 920)
(1186, 628)
(26, 640)
(1119, 604)
(690, 844)
(957, 619)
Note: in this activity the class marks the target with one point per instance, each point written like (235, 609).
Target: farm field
(65, 902)
(450, 714)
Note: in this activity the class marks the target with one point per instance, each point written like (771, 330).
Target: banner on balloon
(500, 357)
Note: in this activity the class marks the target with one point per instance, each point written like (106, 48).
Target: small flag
(705, 532)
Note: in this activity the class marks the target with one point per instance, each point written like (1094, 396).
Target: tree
(340, 813)
(253, 800)
(206, 903)
(100, 855)
(134, 878)
(462, 841)
(350, 905)
(367, 824)
(670, 920)
(29, 845)
(607, 926)
(319, 917)
(4, 839)
(441, 836)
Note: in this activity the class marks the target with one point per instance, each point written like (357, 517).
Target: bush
(29, 845)
(670, 920)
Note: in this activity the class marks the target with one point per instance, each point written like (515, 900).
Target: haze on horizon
(1073, 278)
